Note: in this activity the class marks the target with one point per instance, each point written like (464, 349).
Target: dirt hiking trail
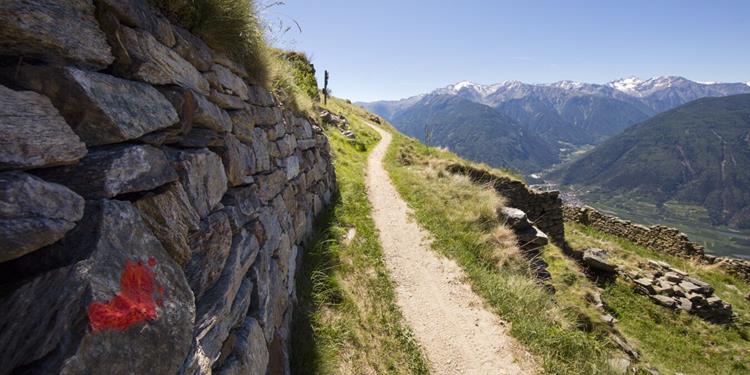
(456, 333)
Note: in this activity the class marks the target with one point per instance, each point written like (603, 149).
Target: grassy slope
(455, 211)
(347, 321)
(671, 341)
(564, 331)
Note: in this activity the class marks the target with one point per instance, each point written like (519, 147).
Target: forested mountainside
(477, 132)
(565, 114)
(698, 153)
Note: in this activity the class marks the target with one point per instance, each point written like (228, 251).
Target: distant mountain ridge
(565, 114)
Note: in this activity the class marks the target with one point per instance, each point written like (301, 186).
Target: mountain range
(565, 115)
(696, 154)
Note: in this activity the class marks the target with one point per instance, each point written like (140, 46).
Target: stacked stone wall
(656, 237)
(154, 203)
(544, 209)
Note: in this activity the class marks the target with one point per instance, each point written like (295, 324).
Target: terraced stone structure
(673, 288)
(153, 203)
(543, 208)
(656, 237)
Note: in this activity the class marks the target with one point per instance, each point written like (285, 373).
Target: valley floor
(450, 322)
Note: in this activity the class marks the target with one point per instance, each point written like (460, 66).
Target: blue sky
(391, 49)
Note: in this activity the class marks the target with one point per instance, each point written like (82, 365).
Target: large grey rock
(244, 204)
(266, 116)
(223, 306)
(138, 14)
(202, 137)
(261, 150)
(271, 184)
(209, 115)
(209, 248)
(171, 218)
(54, 31)
(152, 62)
(598, 260)
(242, 125)
(226, 82)
(202, 176)
(531, 239)
(193, 49)
(260, 96)
(249, 355)
(34, 213)
(225, 100)
(239, 161)
(114, 170)
(513, 218)
(33, 134)
(100, 108)
(116, 250)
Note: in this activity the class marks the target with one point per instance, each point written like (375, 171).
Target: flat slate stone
(223, 306)
(171, 218)
(101, 109)
(138, 13)
(34, 213)
(155, 63)
(193, 49)
(225, 81)
(52, 323)
(202, 176)
(598, 259)
(249, 354)
(238, 159)
(209, 248)
(114, 170)
(55, 31)
(33, 134)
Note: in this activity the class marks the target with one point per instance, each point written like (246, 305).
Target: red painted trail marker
(133, 304)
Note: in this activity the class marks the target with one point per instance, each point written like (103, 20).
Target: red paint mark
(152, 262)
(135, 302)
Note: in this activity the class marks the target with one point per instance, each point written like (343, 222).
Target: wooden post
(325, 88)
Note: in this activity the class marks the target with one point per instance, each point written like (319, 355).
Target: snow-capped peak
(463, 84)
(747, 83)
(568, 85)
(627, 85)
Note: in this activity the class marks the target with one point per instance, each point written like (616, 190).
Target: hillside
(588, 325)
(696, 154)
(569, 114)
(476, 132)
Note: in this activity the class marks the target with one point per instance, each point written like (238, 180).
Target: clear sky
(391, 49)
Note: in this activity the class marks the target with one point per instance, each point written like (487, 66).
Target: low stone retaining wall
(154, 203)
(544, 209)
(656, 237)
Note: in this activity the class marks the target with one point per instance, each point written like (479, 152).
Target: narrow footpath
(456, 333)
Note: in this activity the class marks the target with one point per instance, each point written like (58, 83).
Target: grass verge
(347, 321)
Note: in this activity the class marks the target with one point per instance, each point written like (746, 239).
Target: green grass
(234, 27)
(455, 212)
(229, 26)
(671, 341)
(347, 321)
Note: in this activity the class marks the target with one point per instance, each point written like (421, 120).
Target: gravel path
(457, 334)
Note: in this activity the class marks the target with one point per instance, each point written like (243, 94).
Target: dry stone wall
(544, 209)
(656, 237)
(153, 202)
